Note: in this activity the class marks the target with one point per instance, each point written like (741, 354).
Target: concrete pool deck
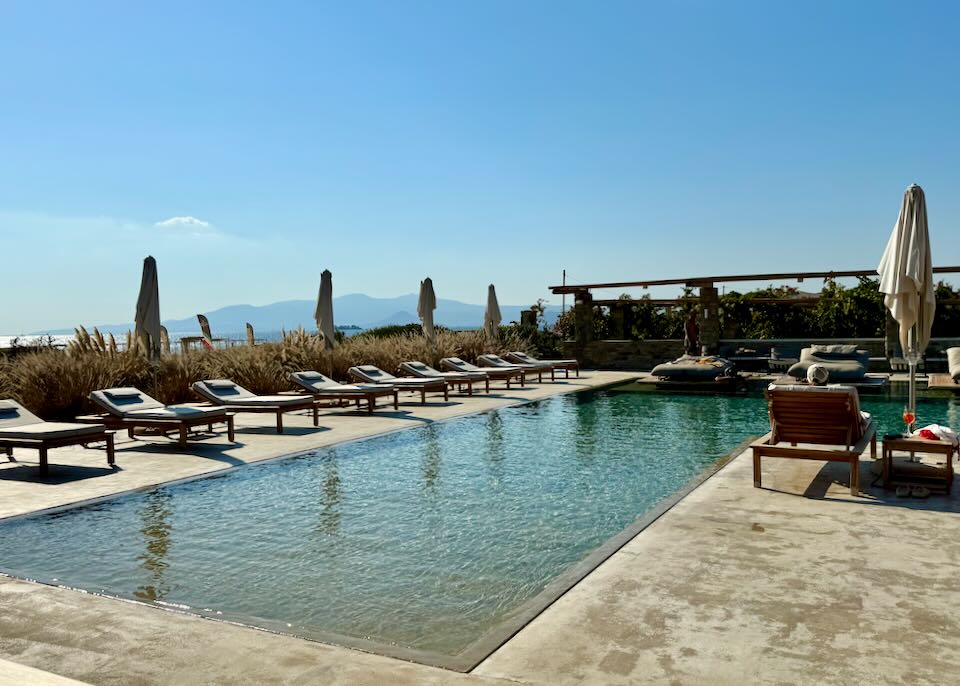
(798, 582)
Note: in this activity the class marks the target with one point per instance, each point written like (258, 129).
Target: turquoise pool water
(425, 538)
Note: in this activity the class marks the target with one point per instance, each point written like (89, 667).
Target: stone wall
(644, 355)
(624, 355)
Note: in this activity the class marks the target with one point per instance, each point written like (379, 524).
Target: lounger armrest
(869, 432)
(763, 440)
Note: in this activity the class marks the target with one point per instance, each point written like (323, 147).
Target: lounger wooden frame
(368, 395)
(44, 444)
(179, 425)
(431, 387)
(827, 419)
(278, 409)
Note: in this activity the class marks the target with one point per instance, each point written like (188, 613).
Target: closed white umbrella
(491, 319)
(906, 280)
(324, 313)
(425, 307)
(147, 319)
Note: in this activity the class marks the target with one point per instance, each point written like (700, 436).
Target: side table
(941, 476)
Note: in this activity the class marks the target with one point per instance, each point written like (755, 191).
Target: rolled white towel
(817, 374)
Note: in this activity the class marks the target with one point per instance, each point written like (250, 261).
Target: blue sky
(248, 146)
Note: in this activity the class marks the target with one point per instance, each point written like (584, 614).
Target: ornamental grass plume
(55, 383)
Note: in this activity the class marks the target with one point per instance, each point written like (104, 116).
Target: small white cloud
(186, 224)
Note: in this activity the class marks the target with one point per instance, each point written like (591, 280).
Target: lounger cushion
(178, 412)
(123, 394)
(694, 368)
(412, 381)
(356, 389)
(532, 364)
(221, 383)
(374, 373)
(953, 362)
(222, 389)
(523, 357)
(264, 400)
(459, 365)
(315, 381)
(42, 430)
(313, 377)
(835, 349)
(497, 362)
(420, 368)
(13, 413)
(120, 401)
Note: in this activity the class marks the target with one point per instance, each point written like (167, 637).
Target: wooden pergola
(708, 298)
(711, 281)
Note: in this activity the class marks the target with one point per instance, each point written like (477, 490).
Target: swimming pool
(425, 541)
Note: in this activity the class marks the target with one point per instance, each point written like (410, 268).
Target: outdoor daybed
(325, 388)
(227, 394)
(497, 362)
(20, 428)
(697, 373)
(816, 423)
(953, 363)
(459, 379)
(519, 357)
(843, 362)
(455, 364)
(131, 409)
(371, 374)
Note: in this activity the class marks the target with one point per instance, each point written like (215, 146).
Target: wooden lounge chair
(370, 374)
(225, 393)
(495, 361)
(325, 388)
(20, 428)
(519, 357)
(816, 423)
(458, 379)
(131, 409)
(455, 364)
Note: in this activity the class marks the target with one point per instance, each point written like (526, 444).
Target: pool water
(425, 538)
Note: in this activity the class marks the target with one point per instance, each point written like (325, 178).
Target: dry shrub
(55, 384)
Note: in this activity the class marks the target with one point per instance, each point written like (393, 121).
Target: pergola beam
(711, 280)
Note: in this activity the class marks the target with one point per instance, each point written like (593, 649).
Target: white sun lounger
(519, 357)
(455, 364)
(496, 361)
(324, 388)
(227, 394)
(20, 428)
(460, 379)
(130, 408)
(370, 374)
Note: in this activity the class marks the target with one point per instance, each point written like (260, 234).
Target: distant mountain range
(354, 309)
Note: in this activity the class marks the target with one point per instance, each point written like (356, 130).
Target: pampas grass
(55, 384)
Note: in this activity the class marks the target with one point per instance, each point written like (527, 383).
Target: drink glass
(909, 417)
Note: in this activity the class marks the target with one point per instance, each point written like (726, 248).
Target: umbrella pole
(912, 359)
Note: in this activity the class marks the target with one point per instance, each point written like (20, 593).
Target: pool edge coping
(571, 578)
